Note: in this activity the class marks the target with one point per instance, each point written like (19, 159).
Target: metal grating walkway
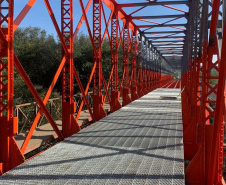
(139, 144)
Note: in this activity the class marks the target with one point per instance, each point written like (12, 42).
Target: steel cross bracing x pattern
(139, 60)
(134, 94)
(203, 121)
(97, 78)
(125, 81)
(69, 124)
(11, 155)
(114, 62)
(144, 71)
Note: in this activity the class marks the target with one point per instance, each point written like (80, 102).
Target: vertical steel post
(10, 155)
(134, 94)
(140, 76)
(125, 47)
(149, 68)
(216, 156)
(144, 67)
(158, 71)
(114, 62)
(69, 124)
(98, 110)
(152, 68)
(155, 68)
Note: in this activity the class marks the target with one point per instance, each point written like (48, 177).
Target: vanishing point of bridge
(166, 122)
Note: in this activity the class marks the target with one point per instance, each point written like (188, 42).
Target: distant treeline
(40, 55)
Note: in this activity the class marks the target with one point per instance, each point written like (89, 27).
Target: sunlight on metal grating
(139, 144)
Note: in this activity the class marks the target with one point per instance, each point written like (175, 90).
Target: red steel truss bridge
(161, 130)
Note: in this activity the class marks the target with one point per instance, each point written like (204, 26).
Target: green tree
(39, 54)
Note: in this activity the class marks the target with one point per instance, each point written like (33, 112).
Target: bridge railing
(27, 112)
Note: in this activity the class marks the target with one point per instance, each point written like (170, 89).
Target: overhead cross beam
(154, 3)
(160, 25)
(157, 32)
(156, 41)
(160, 16)
(168, 46)
(175, 37)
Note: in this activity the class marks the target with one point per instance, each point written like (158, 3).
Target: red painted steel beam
(149, 68)
(88, 27)
(167, 41)
(139, 9)
(121, 34)
(82, 19)
(173, 8)
(10, 155)
(216, 163)
(160, 16)
(140, 73)
(144, 66)
(159, 26)
(154, 3)
(38, 115)
(98, 110)
(66, 38)
(23, 13)
(36, 96)
(107, 87)
(162, 24)
(49, 8)
(125, 47)
(112, 5)
(106, 28)
(106, 91)
(69, 124)
(167, 37)
(168, 44)
(83, 93)
(134, 94)
(157, 32)
(86, 91)
(114, 61)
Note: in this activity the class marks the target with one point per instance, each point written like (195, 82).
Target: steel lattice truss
(164, 33)
(158, 38)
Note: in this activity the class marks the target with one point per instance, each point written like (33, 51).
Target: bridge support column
(140, 73)
(152, 69)
(69, 124)
(144, 66)
(149, 68)
(10, 155)
(98, 110)
(114, 62)
(157, 71)
(125, 90)
(134, 94)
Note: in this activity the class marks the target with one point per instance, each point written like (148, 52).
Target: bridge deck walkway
(139, 144)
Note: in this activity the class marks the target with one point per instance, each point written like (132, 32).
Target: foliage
(177, 75)
(40, 55)
(214, 73)
(83, 58)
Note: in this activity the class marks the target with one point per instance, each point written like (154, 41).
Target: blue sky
(38, 15)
